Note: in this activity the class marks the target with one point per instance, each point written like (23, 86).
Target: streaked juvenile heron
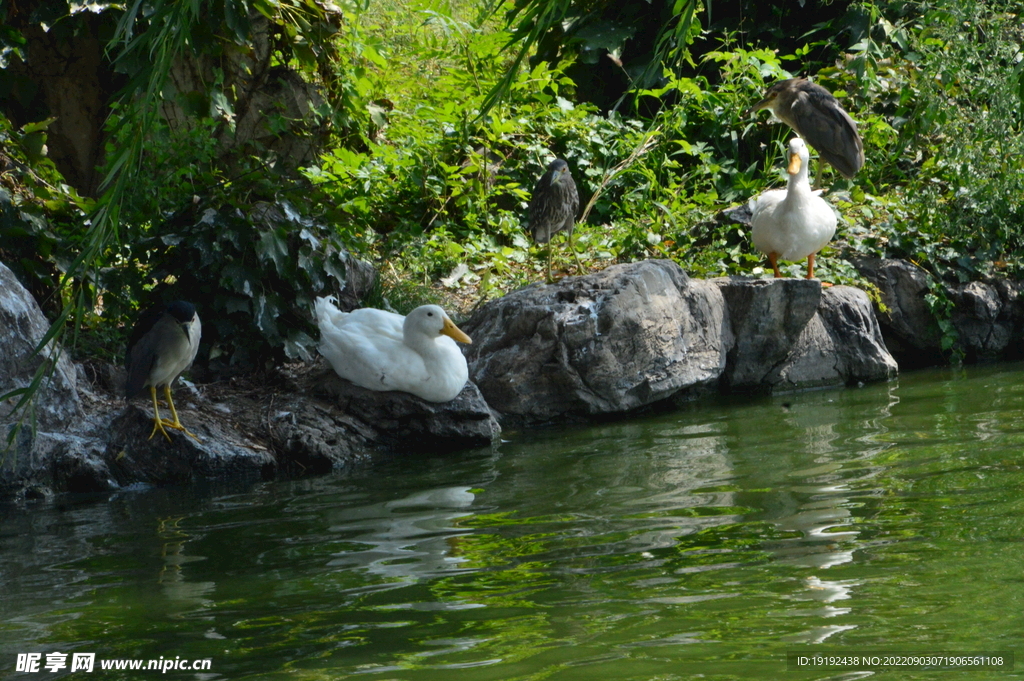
(553, 207)
(163, 343)
(817, 116)
(795, 222)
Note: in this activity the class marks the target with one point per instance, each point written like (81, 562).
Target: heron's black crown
(557, 165)
(181, 310)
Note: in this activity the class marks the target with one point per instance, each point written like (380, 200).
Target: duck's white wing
(366, 347)
(377, 322)
(819, 224)
(371, 360)
(765, 227)
(765, 204)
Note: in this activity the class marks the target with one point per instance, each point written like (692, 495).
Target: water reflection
(708, 540)
(405, 539)
(185, 596)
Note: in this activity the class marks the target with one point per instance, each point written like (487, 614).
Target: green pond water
(705, 543)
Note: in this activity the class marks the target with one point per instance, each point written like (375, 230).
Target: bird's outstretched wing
(822, 122)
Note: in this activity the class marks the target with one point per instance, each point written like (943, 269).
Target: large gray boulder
(609, 342)
(110, 448)
(22, 327)
(395, 422)
(986, 322)
(1011, 295)
(767, 317)
(908, 326)
(987, 317)
(220, 451)
(792, 334)
(320, 422)
(56, 405)
(840, 345)
(637, 334)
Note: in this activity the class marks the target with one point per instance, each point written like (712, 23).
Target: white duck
(381, 350)
(795, 222)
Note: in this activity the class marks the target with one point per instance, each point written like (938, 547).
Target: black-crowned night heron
(795, 222)
(553, 207)
(163, 343)
(816, 115)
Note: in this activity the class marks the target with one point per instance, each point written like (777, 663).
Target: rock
(604, 343)
(312, 436)
(22, 326)
(300, 421)
(608, 343)
(741, 214)
(908, 326)
(849, 318)
(133, 456)
(791, 334)
(56, 404)
(840, 345)
(111, 449)
(1011, 293)
(401, 422)
(322, 422)
(983, 328)
(987, 317)
(767, 317)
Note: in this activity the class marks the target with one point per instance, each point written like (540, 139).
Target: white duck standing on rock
(795, 222)
(381, 350)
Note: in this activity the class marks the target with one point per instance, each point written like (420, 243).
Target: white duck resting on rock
(795, 222)
(381, 350)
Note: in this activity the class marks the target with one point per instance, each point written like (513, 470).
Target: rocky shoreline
(610, 343)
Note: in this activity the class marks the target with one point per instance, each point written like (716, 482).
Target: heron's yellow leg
(810, 266)
(773, 258)
(174, 412)
(158, 423)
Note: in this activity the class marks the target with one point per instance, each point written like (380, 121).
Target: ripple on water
(707, 541)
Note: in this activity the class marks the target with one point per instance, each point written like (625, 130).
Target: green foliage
(942, 308)
(150, 173)
(178, 165)
(429, 172)
(259, 271)
(237, 246)
(659, 32)
(939, 116)
(443, 189)
(39, 213)
(945, 128)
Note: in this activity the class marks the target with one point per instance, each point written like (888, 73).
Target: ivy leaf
(236, 16)
(299, 345)
(335, 266)
(274, 247)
